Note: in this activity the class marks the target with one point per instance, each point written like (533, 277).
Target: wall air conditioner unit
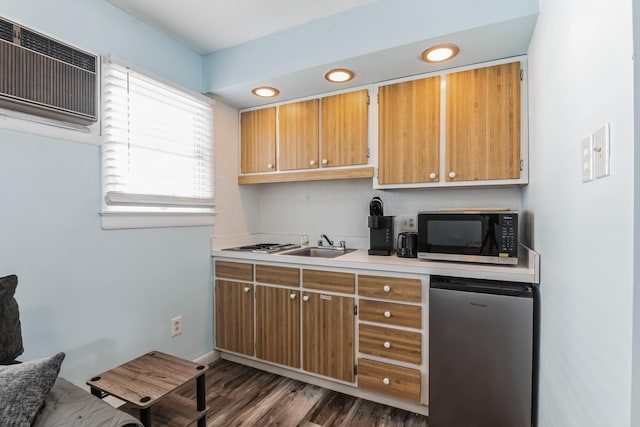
(45, 77)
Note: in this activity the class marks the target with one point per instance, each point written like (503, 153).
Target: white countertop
(527, 270)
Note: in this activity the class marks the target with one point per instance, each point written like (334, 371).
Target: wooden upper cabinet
(483, 123)
(299, 135)
(344, 129)
(409, 132)
(258, 140)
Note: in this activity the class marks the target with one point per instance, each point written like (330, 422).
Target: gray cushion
(10, 333)
(24, 388)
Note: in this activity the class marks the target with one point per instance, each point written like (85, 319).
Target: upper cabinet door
(483, 124)
(344, 129)
(298, 132)
(409, 132)
(258, 140)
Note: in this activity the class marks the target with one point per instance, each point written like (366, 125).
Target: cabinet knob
(387, 344)
(385, 381)
(432, 175)
(387, 314)
(312, 162)
(292, 296)
(305, 298)
(452, 174)
(325, 161)
(386, 288)
(270, 166)
(246, 289)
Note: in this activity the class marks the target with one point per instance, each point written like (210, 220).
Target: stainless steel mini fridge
(481, 345)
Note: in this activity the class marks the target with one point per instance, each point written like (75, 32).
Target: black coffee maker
(381, 235)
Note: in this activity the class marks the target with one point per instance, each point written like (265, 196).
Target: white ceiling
(290, 44)
(210, 25)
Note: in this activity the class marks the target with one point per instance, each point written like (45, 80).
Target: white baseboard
(208, 358)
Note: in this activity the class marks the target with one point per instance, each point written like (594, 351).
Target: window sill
(124, 220)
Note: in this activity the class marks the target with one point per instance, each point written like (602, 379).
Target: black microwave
(469, 236)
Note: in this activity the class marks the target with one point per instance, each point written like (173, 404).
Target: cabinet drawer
(234, 270)
(329, 281)
(391, 313)
(389, 379)
(391, 343)
(390, 287)
(286, 276)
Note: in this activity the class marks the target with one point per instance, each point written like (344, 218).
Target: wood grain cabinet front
(409, 132)
(390, 288)
(328, 330)
(396, 344)
(234, 316)
(234, 270)
(278, 325)
(331, 281)
(483, 124)
(298, 133)
(258, 141)
(389, 379)
(405, 315)
(276, 275)
(344, 129)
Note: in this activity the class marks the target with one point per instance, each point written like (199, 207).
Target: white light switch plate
(587, 159)
(601, 149)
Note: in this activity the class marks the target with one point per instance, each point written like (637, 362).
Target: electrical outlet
(587, 159)
(406, 223)
(176, 326)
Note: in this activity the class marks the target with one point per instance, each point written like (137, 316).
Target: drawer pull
(387, 314)
(246, 289)
(305, 298)
(292, 296)
(387, 344)
(385, 381)
(386, 288)
(270, 166)
(312, 162)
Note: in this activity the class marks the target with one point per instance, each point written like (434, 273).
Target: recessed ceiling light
(339, 75)
(439, 53)
(265, 91)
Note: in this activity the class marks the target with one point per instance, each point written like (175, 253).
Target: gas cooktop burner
(264, 248)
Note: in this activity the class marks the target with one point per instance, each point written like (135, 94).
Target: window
(157, 166)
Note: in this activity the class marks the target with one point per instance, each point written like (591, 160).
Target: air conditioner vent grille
(46, 46)
(6, 30)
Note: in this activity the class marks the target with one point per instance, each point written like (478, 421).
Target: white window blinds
(157, 150)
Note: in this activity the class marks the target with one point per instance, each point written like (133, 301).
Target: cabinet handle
(386, 288)
(452, 174)
(387, 314)
(246, 289)
(292, 296)
(270, 166)
(432, 175)
(385, 381)
(387, 344)
(325, 161)
(312, 162)
(305, 298)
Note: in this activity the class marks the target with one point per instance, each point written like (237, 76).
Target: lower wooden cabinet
(278, 325)
(328, 335)
(389, 379)
(234, 316)
(312, 320)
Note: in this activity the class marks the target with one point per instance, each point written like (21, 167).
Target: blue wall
(100, 296)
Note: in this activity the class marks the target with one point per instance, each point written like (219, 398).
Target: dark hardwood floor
(239, 395)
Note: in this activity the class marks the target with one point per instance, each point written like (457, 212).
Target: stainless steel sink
(319, 252)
